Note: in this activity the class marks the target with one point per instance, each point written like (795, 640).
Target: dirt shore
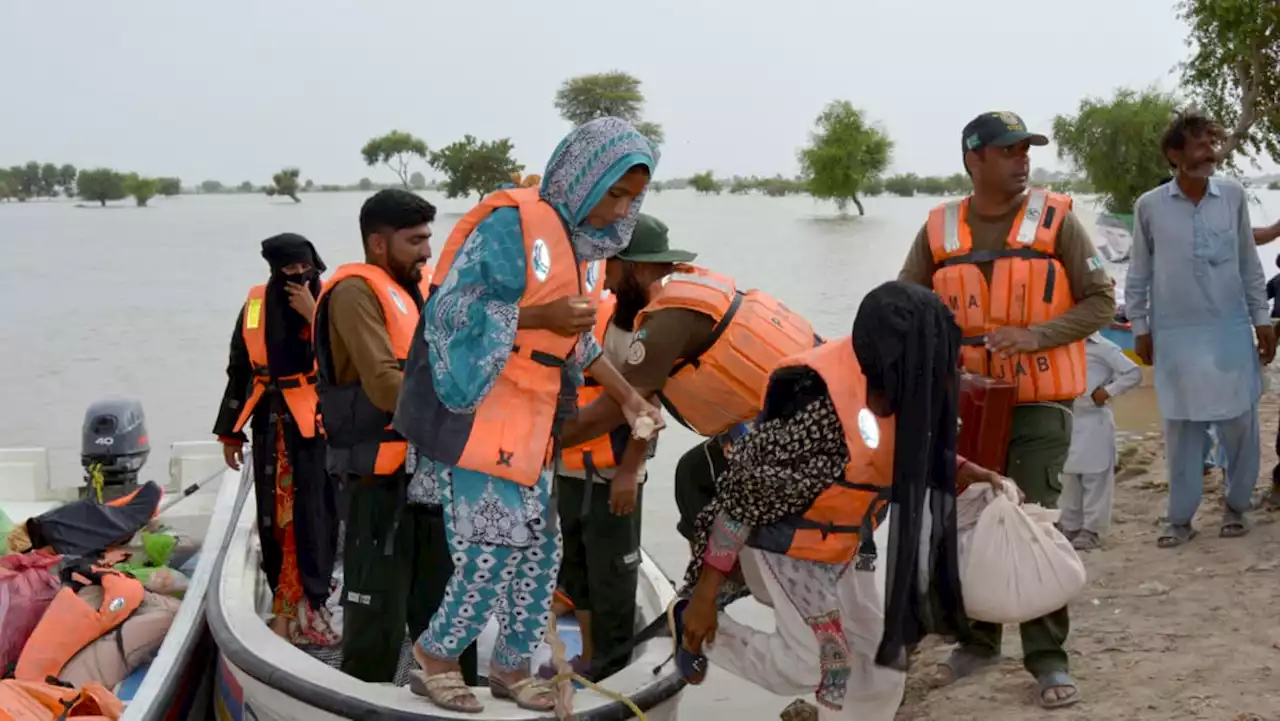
(1180, 634)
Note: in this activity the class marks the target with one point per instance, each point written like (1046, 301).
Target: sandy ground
(1187, 633)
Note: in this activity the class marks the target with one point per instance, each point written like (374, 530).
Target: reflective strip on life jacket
(510, 434)
(298, 390)
(400, 313)
(723, 383)
(40, 701)
(1028, 286)
(833, 527)
(70, 624)
(598, 452)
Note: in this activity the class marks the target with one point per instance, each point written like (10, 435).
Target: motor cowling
(114, 447)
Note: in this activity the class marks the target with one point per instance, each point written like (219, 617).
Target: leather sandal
(529, 693)
(446, 690)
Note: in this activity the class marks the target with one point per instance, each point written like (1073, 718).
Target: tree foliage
(365, 184)
(705, 183)
(285, 183)
(472, 166)
(213, 186)
(395, 150)
(101, 184)
(142, 189)
(1234, 70)
(1116, 143)
(418, 181)
(845, 152)
(168, 187)
(615, 93)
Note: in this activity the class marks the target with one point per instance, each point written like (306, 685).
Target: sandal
(1086, 540)
(693, 667)
(446, 690)
(529, 693)
(1234, 525)
(1176, 534)
(1054, 680)
(962, 662)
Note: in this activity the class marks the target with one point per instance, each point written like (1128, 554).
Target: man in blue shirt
(1196, 296)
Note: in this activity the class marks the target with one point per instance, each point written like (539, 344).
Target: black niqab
(289, 348)
(909, 351)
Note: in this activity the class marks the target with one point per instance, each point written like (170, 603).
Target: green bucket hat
(650, 244)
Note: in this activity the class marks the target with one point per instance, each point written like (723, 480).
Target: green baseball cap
(650, 244)
(999, 129)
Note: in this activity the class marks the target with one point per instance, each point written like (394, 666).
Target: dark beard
(631, 300)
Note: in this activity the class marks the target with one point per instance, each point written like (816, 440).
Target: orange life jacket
(70, 624)
(360, 438)
(299, 389)
(1028, 286)
(723, 384)
(847, 512)
(39, 701)
(510, 434)
(605, 451)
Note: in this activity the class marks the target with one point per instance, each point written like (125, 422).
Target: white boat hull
(261, 676)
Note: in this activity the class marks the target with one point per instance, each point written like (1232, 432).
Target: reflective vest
(723, 383)
(360, 438)
(40, 701)
(848, 511)
(511, 432)
(606, 450)
(298, 389)
(70, 624)
(1028, 286)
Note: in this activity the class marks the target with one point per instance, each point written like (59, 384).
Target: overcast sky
(235, 89)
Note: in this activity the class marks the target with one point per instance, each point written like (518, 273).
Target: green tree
(845, 152)
(395, 150)
(587, 97)
(873, 186)
(244, 187)
(142, 189)
(285, 183)
(470, 165)
(27, 179)
(418, 181)
(101, 184)
(705, 183)
(1234, 70)
(308, 186)
(1273, 185)
(365, 184)
(168, 187)
(49, 180)
(213, 186)
(1116, 143)
(67, 179)
(903, 185)
(958, 184)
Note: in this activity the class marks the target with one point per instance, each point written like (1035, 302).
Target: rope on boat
(563, 681)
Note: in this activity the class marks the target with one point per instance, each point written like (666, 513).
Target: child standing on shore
(1089, 476)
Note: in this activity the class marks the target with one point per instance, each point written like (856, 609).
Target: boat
(262, 677)
(200, 497)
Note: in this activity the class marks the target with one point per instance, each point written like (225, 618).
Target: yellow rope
(95, 477)
(564, 675)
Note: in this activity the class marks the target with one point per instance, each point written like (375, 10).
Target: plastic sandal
(529, 694)
(693, 667)
(446, 690)
(1057, 679)
(1176, 534)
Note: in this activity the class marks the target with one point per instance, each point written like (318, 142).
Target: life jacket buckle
(865, 562)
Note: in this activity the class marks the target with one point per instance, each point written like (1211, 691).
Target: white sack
(1014, 565)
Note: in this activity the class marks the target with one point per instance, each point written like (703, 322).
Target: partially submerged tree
(101, 184)
(705, 183)
(472, 166)
(845, 152)
(587, 97)
(142, 189)
(418, 181)
(285, 183)
(169, 187)
(395, 150)
(1116, 143)
(1234, 71)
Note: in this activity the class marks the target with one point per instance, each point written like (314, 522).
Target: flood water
(141, 302)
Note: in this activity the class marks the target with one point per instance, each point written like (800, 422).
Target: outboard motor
(114, 446)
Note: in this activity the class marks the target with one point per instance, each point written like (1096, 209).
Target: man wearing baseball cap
(1026, 285)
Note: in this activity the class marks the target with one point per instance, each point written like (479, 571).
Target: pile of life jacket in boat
(72, 626)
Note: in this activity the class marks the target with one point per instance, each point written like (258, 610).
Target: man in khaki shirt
(396, 560)
(994, 148)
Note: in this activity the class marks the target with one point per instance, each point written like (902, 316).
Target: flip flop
(530, 694)
(1176, 534)
(1057, 679)
(1234, 525)
(692, 667)
(446, 690)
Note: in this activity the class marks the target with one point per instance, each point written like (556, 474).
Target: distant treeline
(903, 185)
